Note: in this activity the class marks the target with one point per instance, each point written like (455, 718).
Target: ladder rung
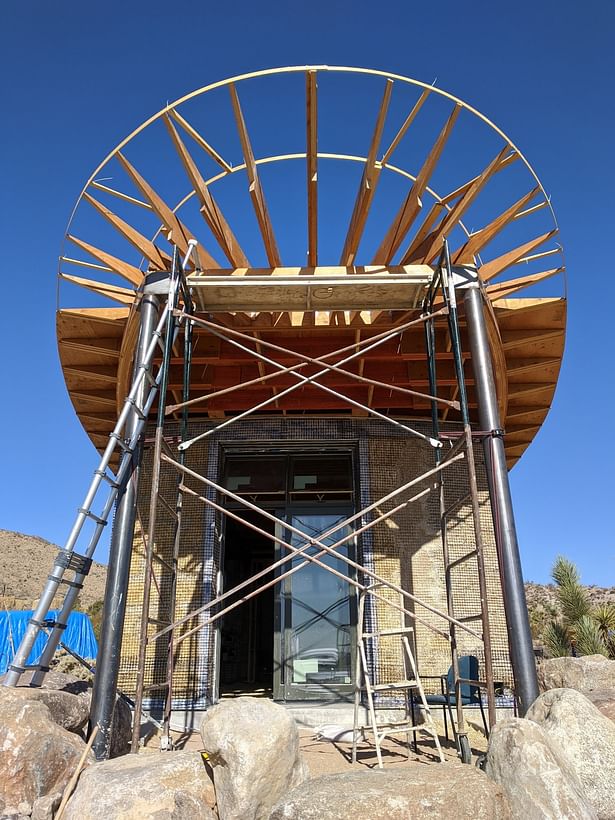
(157, 621)
(105, 477)
(402, 630)
(400, 684)
(456, 504)
(93, 516)
(467, 618)
(461, 560)
(121, 443)
(153, 686)
(138, 410)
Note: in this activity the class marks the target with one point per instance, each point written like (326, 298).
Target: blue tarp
(78, 635)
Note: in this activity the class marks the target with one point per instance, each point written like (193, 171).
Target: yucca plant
(581, 629)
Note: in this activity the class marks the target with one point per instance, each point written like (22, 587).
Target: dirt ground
(327, 757)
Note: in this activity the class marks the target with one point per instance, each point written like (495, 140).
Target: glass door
(316, 614)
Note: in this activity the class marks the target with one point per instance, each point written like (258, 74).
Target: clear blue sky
(77, 77)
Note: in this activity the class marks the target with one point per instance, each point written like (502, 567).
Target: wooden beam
(311, 94)
(255, 188)
(158, 259)
(367, 185)
(99, 346)
(478, 240)
(491, 269)
(502, 290)
(122, 295)
(432, 245)
(124, 269)
(210, 210)
(201, 141)
(434, 214)
(412, 204)
(406, 124)
(178, 233)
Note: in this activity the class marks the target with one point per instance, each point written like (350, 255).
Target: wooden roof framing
(317, 308)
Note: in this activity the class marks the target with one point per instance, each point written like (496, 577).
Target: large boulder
(253, 745)
(585, 738)
(604, 699)
(68, 699)
(38, 756)
(539, 783)
(443, 791)
(583, 674)
(164, 786)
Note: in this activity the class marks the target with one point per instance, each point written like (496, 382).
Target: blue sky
(77, 78)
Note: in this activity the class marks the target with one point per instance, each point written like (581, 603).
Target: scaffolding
(448, 449)
(176, 321)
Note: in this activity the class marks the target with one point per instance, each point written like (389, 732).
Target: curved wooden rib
(157, 258)
(256, 190)
(311, 94)
(210, 211)
(367, 185)
(178, 233)
(412, 204)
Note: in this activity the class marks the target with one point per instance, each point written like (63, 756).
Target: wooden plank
(210, 209)
(434, 214)
(479, 239)
(178, 232)
(122, 295)
(158, 259)
(124, 269)
(501, 290)
(367, 185)
(412, 204)
(200, 141)
(406, 124)
(453, 195)
(311, 94)
(255, 188)
(433, 243)
(491, 269)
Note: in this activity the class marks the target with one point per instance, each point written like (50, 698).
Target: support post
(108, 659)
(520, 637)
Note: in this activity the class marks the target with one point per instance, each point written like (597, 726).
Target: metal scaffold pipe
(108, 660)
(520, 637)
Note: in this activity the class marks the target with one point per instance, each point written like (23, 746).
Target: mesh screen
(405, 549)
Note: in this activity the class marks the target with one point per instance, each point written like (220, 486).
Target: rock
(604, 699)
(585, 738)
(68, 699)
(583, 674)
(161, 786)
(38, 756)
(121, 729)
(537, 780)
(71, 712)
(254, 749)
(45, 807)
(443, 791)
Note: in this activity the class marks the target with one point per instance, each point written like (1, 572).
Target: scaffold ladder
(77, 553)
(409, 688)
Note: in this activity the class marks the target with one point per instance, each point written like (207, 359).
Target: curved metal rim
(318, 68)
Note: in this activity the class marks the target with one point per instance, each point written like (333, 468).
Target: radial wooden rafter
(418, 224)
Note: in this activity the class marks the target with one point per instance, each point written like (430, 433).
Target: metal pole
(520, 637)
(108, 659)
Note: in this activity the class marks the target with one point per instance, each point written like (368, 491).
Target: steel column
(108, 659)
(520, 638)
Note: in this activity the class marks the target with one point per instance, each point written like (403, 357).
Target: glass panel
(318, 612)
(251, 476)
(325, 478)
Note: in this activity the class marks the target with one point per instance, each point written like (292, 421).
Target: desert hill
(25, 563)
